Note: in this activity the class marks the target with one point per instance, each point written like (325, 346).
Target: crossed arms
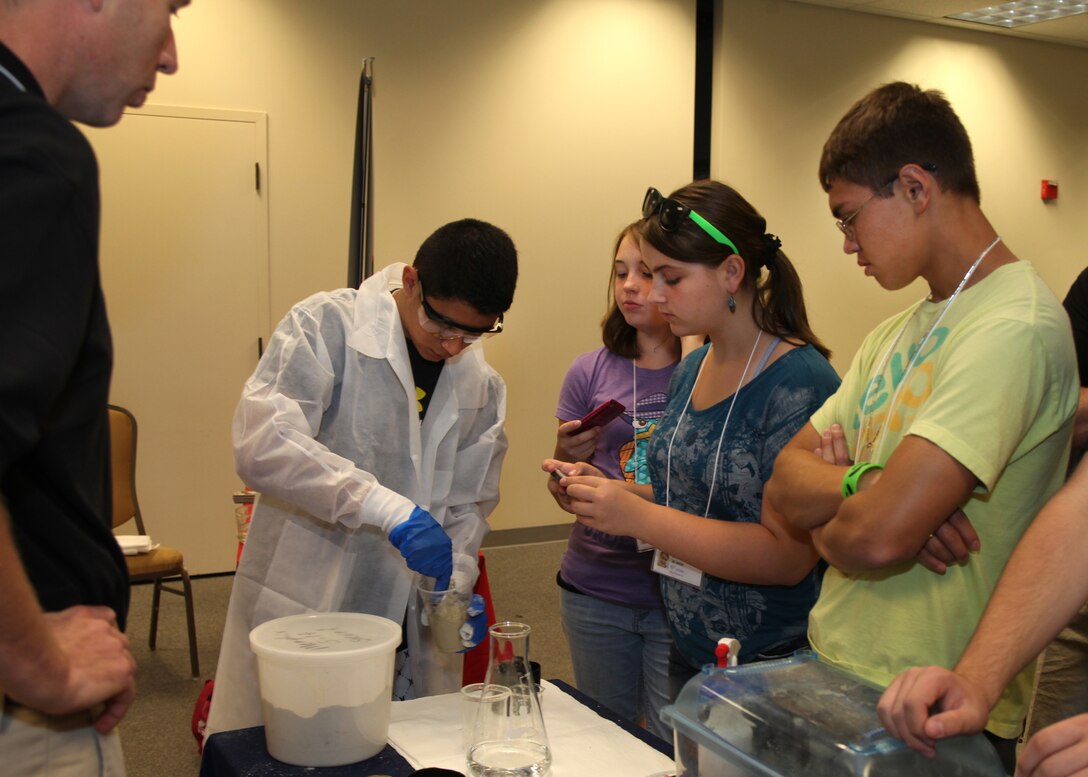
(908, 510)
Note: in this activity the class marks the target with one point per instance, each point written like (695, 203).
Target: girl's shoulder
(804, 365)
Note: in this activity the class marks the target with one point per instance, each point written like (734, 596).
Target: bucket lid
(324, 636)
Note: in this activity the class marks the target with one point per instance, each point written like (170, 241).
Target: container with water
(509, 740)
(326, 686)
(802, 717)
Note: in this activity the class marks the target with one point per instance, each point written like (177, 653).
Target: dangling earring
(732, 304)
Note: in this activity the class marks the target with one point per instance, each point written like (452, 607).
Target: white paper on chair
(131, 544)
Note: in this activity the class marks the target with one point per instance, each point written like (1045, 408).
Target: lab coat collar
(378, 332)
(376, 318)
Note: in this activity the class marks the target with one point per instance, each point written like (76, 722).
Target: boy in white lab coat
(374, 433)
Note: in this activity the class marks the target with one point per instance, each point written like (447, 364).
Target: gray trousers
(35, 744)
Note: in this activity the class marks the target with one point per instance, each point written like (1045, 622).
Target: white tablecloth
(427, 732)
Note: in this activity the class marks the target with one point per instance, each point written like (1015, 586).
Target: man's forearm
(26, 644)
(1039, 592)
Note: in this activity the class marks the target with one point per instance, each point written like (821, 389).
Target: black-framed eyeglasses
(671, 215)
(445, 328)
(845, 224)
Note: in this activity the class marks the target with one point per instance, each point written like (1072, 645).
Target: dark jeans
(1006, 751)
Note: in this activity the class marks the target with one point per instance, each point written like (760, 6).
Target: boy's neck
(965, 240)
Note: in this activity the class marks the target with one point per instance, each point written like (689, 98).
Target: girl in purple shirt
(611, 605)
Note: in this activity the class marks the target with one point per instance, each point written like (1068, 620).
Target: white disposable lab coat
(327, 430)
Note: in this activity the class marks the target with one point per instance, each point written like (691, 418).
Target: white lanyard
(663, 563)
(721, 437)
(872, 449)
(642, 547)
(11, 77)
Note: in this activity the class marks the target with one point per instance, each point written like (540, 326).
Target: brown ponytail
(778, 303)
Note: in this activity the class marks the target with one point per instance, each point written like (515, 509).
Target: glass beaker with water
(515, 744)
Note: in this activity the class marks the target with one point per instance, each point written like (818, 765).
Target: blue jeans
(620, 657)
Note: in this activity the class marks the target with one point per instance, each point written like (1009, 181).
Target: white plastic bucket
(326, 684)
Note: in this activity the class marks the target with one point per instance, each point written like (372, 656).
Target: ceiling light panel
(1022, 12)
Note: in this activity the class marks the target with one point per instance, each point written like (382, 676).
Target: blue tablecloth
(243, 753)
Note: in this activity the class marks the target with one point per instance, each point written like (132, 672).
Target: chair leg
(194, 660)
(155, 596)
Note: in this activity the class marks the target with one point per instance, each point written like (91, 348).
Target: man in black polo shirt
(66, 673)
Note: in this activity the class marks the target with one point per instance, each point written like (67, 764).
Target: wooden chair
(162, 565)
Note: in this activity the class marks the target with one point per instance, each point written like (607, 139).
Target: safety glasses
(672, 214)
(445, 328)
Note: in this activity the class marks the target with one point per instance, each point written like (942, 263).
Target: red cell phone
(601, 415)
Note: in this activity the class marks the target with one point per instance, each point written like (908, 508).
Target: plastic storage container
(801, 717)
(326, 684)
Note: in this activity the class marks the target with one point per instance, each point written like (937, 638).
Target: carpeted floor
(156, 733)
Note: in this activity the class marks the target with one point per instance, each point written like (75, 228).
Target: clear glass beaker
(509, 740)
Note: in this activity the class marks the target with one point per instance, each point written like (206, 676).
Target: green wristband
(853, 475)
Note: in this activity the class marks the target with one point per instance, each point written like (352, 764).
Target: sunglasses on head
(671, 214)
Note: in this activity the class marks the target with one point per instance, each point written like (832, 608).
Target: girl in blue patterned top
(727, 567)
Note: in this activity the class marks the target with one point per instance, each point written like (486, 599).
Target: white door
(185, 271)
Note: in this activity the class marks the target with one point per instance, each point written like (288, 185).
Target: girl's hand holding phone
(575, 443)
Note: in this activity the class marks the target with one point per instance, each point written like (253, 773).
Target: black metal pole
(361, 241)
(704, 86)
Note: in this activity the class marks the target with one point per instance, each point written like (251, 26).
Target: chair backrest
(123, 468)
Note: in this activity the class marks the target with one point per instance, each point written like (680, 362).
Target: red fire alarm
(1050, 190)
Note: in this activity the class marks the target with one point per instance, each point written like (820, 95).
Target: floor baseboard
(529, 535)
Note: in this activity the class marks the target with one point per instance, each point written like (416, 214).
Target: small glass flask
(509, 740)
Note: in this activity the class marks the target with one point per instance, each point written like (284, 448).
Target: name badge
(643, 547)
(669, 566)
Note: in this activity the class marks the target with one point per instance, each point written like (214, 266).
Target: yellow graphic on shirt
(420, 394)
(893, 399)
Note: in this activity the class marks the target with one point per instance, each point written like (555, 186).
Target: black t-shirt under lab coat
(55, 354)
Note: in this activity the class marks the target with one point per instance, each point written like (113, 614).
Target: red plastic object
(722, 652)
(475, 664)
(200, 713)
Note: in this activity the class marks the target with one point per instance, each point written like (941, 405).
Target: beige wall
(549, 118)
(786, 72)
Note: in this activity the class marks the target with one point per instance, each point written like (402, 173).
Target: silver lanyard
(721, 437)
(11, 77)
(875, 447)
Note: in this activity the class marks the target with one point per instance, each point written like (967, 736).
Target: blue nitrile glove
(474, 629)
(425, 546)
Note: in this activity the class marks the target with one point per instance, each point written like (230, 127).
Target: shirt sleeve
(278, 418)
(47, 286)
(1076, 305)
(981, 412)
(576, 393)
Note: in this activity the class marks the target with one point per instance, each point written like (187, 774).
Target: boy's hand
(952, 543)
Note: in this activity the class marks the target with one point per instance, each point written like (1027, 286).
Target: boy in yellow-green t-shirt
(951, 428)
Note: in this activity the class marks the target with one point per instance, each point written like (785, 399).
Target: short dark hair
(894, 125)
(777, 299)
(471, 261)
